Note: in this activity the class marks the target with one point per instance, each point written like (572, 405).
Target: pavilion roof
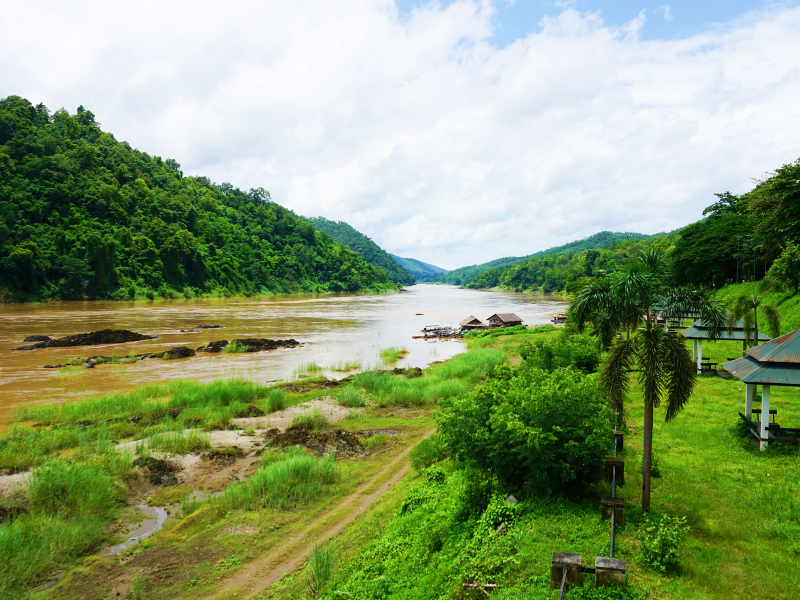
(749, 370)
(701, 333)
(783, 349)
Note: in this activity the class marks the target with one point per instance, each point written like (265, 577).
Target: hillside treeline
(365, 247)
(598, 241)
(83, 215)
(748, 235)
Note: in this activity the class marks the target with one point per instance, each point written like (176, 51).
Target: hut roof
(505, 318)
(470, 320)
(701, 333)
(776, 362)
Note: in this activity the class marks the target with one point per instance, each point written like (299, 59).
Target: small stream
(157, 516)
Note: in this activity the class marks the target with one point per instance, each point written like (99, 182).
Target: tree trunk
(755, 327)
(647, 455)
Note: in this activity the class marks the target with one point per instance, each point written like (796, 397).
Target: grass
(234, 347)
(180, 442)
(375, 442)
(276, 400)
(445, 380)
(306, 370)
(69, 508)
(392, 354)
(788, 305)
(320, 564)
(289, 479)
(346, 365)
(351, 396)
(312, 420)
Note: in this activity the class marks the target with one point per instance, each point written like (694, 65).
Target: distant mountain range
(420, 270)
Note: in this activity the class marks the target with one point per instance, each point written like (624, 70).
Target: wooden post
(561, 561)
(615, 461)
(764, 417)
(748, 399)
(617, 505)
(609, 571)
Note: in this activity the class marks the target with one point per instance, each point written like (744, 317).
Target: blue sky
(666, 19)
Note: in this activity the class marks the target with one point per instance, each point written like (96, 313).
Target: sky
(453, 132)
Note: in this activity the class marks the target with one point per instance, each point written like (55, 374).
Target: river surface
(333, 329)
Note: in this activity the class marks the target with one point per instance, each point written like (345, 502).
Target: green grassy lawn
(788, 305)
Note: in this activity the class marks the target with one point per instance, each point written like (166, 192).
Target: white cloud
(417, 130)
(667, 12)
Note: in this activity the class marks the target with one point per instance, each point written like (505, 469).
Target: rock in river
(95, 338)
(175, 352)
(250, 345)
(36, 338)
(201, 326)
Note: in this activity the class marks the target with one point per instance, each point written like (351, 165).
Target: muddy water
(332, 328)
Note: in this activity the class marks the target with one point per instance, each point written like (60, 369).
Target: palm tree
(630, 296)
(746, 307)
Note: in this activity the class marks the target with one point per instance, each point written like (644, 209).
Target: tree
(786, 269)
(630, 296)
(746, 307)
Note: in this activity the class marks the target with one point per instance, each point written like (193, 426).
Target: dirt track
(268, 569)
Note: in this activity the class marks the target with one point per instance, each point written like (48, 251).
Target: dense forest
(604, 239)
(421, 271)
(740, 237)
(364, 246)
(83, 215)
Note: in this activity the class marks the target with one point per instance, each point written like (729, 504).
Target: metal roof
(783, 349)
(749, 370)
(696, 332)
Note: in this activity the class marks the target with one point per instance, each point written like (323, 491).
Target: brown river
(333, 330)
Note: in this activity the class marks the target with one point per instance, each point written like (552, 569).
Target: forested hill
(83, 215)
(422, 271)
(364, 246)
(603, 239)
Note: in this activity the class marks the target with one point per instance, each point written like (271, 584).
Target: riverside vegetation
(83, 215)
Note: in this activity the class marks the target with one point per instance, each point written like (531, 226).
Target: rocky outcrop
(95, 338)
(343, 443)
(250, 345)
(36, 338)
(175, 352)
(201, 326)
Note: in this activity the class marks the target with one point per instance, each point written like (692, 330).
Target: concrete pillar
(562, 560)
(699, 354)
(764, 416)
(619, 440)
(609, 571)
(748, 399)
(694, 350)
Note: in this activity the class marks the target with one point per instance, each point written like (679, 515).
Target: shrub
(579, 351)
(427, 452)
(537, 430)
(661, 543)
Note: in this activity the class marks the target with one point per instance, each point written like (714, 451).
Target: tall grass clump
(276, 400)
(70, 507)
(351, 396)
(393, 354)
(306, 369)
(180, 442)
(312, 420)
(289, 479)
(346, 365)
(320, 564)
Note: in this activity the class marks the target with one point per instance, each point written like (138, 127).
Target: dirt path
(279, 561)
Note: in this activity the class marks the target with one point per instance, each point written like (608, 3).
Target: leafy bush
(579, 351)
(537, 430)
(661, 543)
(427, 452)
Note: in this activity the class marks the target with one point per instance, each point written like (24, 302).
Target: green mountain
(420, 270)
(364, 246)
(604, 239)
(83, 215)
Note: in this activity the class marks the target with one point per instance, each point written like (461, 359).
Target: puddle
(156, 517)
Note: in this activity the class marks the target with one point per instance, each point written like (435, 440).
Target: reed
(180, 442)
(392, 354)
(234, 348)
(312, 420)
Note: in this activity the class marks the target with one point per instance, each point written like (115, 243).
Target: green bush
(660, 544)
(427, 452)
(534, 430)
(579, 351)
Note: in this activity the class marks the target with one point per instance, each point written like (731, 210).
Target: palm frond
(773, 317)
(681, 371)
(648, 351)
(688, 299)
(614, 380)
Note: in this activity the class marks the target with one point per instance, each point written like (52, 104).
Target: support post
(570, 562)
(609, 571)
(615, 505)
(694, 350)
(764, 417)
(619, 463)
(748, 399)
(699, 354)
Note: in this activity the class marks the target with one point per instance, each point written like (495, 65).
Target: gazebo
(699, 331)
(777, 362)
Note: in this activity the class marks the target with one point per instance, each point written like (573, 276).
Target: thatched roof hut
(504, 320)
(473, 323)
